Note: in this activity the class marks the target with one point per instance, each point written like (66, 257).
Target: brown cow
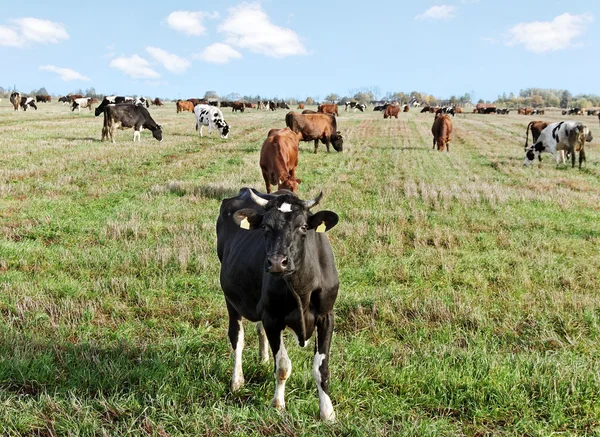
(300, 106)
(391, 111)
(197, 102)
(459, 110)
(237, 106)
(309, 111)
(279, 159)
(184, 105)
(316, 127)
(156, 102)
(331, 108)
(536, 129)
(441, 130)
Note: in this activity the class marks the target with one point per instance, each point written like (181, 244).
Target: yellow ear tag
(245, 224)
(321, 227)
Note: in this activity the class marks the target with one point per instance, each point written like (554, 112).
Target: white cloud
(218, 53)
(442, 12)
(173, 63)
(189, 22)
(545, 36)
(248, 27)
(10, 37)
(32, 30)
(65, 74)
(135, 67)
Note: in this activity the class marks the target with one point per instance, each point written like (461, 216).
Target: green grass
(468, 284)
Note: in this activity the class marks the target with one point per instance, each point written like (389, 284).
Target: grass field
(469, 285)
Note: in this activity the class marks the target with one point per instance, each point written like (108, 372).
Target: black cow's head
(157, 133)
(286, 223)
(223, 127)
(532, 151)
(337, 141)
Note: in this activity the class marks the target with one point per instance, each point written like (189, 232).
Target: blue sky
(279, 48)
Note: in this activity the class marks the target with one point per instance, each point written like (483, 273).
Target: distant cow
(212, 117)
(108, 100)
(328, 109)
(184, 105)
(560, 138)
(592, 111)
(279, 159)
(503, 111)
(381, 107)
(315, 127)
(536, 129)
(127, 115)
(237, 106)
(64, 100)
(406, 108)
(84, 102)
(391, 111)
(43, 98)
(28, 102)
(15, 99)
(156, 102)
(441, 130)
(300, 106)
(283, 105)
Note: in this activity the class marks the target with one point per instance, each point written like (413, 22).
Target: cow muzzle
(278, 264)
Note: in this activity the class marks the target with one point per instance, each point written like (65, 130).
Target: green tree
(211, 95)
(333, 97)
(309, 101)
(565, 99)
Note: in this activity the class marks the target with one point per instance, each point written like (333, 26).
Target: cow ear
(323, 221)
(247, 218)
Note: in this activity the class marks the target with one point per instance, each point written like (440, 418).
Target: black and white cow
(278, 269)
(212, 117)
(28, 102)
(142, 101)
(127, 115)
(84, 102)
(111, 100)
(560, 138)
(350, 105)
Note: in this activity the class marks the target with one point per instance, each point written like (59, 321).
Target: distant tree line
(540, 97)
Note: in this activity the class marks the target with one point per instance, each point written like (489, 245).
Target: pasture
(468, 297)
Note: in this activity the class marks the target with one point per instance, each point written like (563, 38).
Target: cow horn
(308, 204)
(258, 200)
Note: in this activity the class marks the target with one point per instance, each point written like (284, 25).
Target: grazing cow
(283, 105)
(272, 105)
(43, 98)
(536, 129)
(278, 269)
(446, 110)
(350, 105)
(405, 108)
(212, 117)
(108, 100)
(459, 110)
(300, 106)
(156, 102)
(381, 107)
(141, 101)
(262, 105)
(15, 99)
(391, 111)
(27, 102)
(84, 102)
(63, 99)
(279, 159)
(309, 111)
(129, 115)
(441, 130)
(328, 109)
(360, 106)
(315, 127)
(592, 111)
(184, 105)
(237, 106)
(503, 111)
(195, 102)
(249, 105)
(558, 138)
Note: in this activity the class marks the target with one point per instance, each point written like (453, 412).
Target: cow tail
(527, 134)
(302, 341)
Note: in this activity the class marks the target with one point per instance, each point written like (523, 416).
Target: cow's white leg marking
(283, 370)
(237, 380)
(136, 134)
(325, 405)
(200, 129)
(263, 343)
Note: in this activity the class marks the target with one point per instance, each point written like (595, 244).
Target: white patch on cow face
(285, 207)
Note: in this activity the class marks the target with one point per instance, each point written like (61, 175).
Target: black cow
(28, 101)
(277, 268)
(129, 115)
(381, 107)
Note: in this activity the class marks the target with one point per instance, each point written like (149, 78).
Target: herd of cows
(277, 266)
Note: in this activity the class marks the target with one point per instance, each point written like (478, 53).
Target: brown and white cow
(441, 130)
(279, 159)
(84, 102)
(315, 127)
(391, 111)
(329, 108)
(536, 129)
(15, 99)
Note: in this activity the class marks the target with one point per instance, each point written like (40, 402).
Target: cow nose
(277, 264)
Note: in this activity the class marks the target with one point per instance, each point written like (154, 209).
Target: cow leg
(433, 148)
(326, 143)
(573, 158)
(283, 365)
(321, 365)
(316, 145)
(200, 130)
(263, 343)
(236, 337)
(136, 134)
(448, 146)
